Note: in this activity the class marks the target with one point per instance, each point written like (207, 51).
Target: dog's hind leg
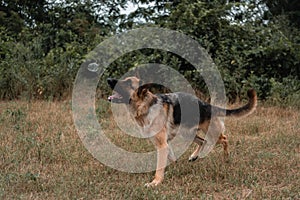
(224, 141)
(199, 141)
(213, 129)
(216, 127)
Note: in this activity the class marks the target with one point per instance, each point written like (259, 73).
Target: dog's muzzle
(117, 97)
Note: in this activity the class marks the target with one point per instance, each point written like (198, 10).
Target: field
(42, 157)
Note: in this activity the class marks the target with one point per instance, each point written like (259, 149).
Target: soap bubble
(93, 67)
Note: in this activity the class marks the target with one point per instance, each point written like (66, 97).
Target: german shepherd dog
(144, 106)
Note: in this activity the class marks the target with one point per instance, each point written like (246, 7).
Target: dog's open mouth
(119, 94)
(115, 96)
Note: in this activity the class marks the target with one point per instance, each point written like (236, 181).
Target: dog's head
(123, 89)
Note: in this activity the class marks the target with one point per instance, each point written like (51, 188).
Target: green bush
(251, 49)
(285, 93)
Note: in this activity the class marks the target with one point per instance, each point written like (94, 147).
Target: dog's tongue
(115, 96)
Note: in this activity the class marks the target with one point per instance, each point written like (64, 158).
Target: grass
(42, 157)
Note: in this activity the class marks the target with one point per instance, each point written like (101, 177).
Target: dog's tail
(242, 111)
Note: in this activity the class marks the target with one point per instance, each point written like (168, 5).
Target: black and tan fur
(161, 113)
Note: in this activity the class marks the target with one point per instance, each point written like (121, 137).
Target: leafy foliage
(253, 43)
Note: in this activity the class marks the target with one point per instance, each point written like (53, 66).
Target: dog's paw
(154, 183)
(193, 158)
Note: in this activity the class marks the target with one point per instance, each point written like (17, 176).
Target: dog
(162, 113)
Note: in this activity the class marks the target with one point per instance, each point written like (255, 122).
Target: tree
(250, 48)
(290, 8)
(43, 43)
(254, 43)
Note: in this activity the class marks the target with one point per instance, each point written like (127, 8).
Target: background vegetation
(255, 43)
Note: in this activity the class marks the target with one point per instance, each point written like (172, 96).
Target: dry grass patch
(42, 157)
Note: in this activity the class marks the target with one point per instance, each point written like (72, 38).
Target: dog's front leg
(160, 141)
(162, 155)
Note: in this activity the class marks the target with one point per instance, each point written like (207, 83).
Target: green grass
(42, 157)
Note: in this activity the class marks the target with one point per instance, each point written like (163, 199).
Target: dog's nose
(112, 82)
(109, 80)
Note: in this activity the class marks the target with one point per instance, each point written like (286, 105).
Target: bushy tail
(242, 111)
